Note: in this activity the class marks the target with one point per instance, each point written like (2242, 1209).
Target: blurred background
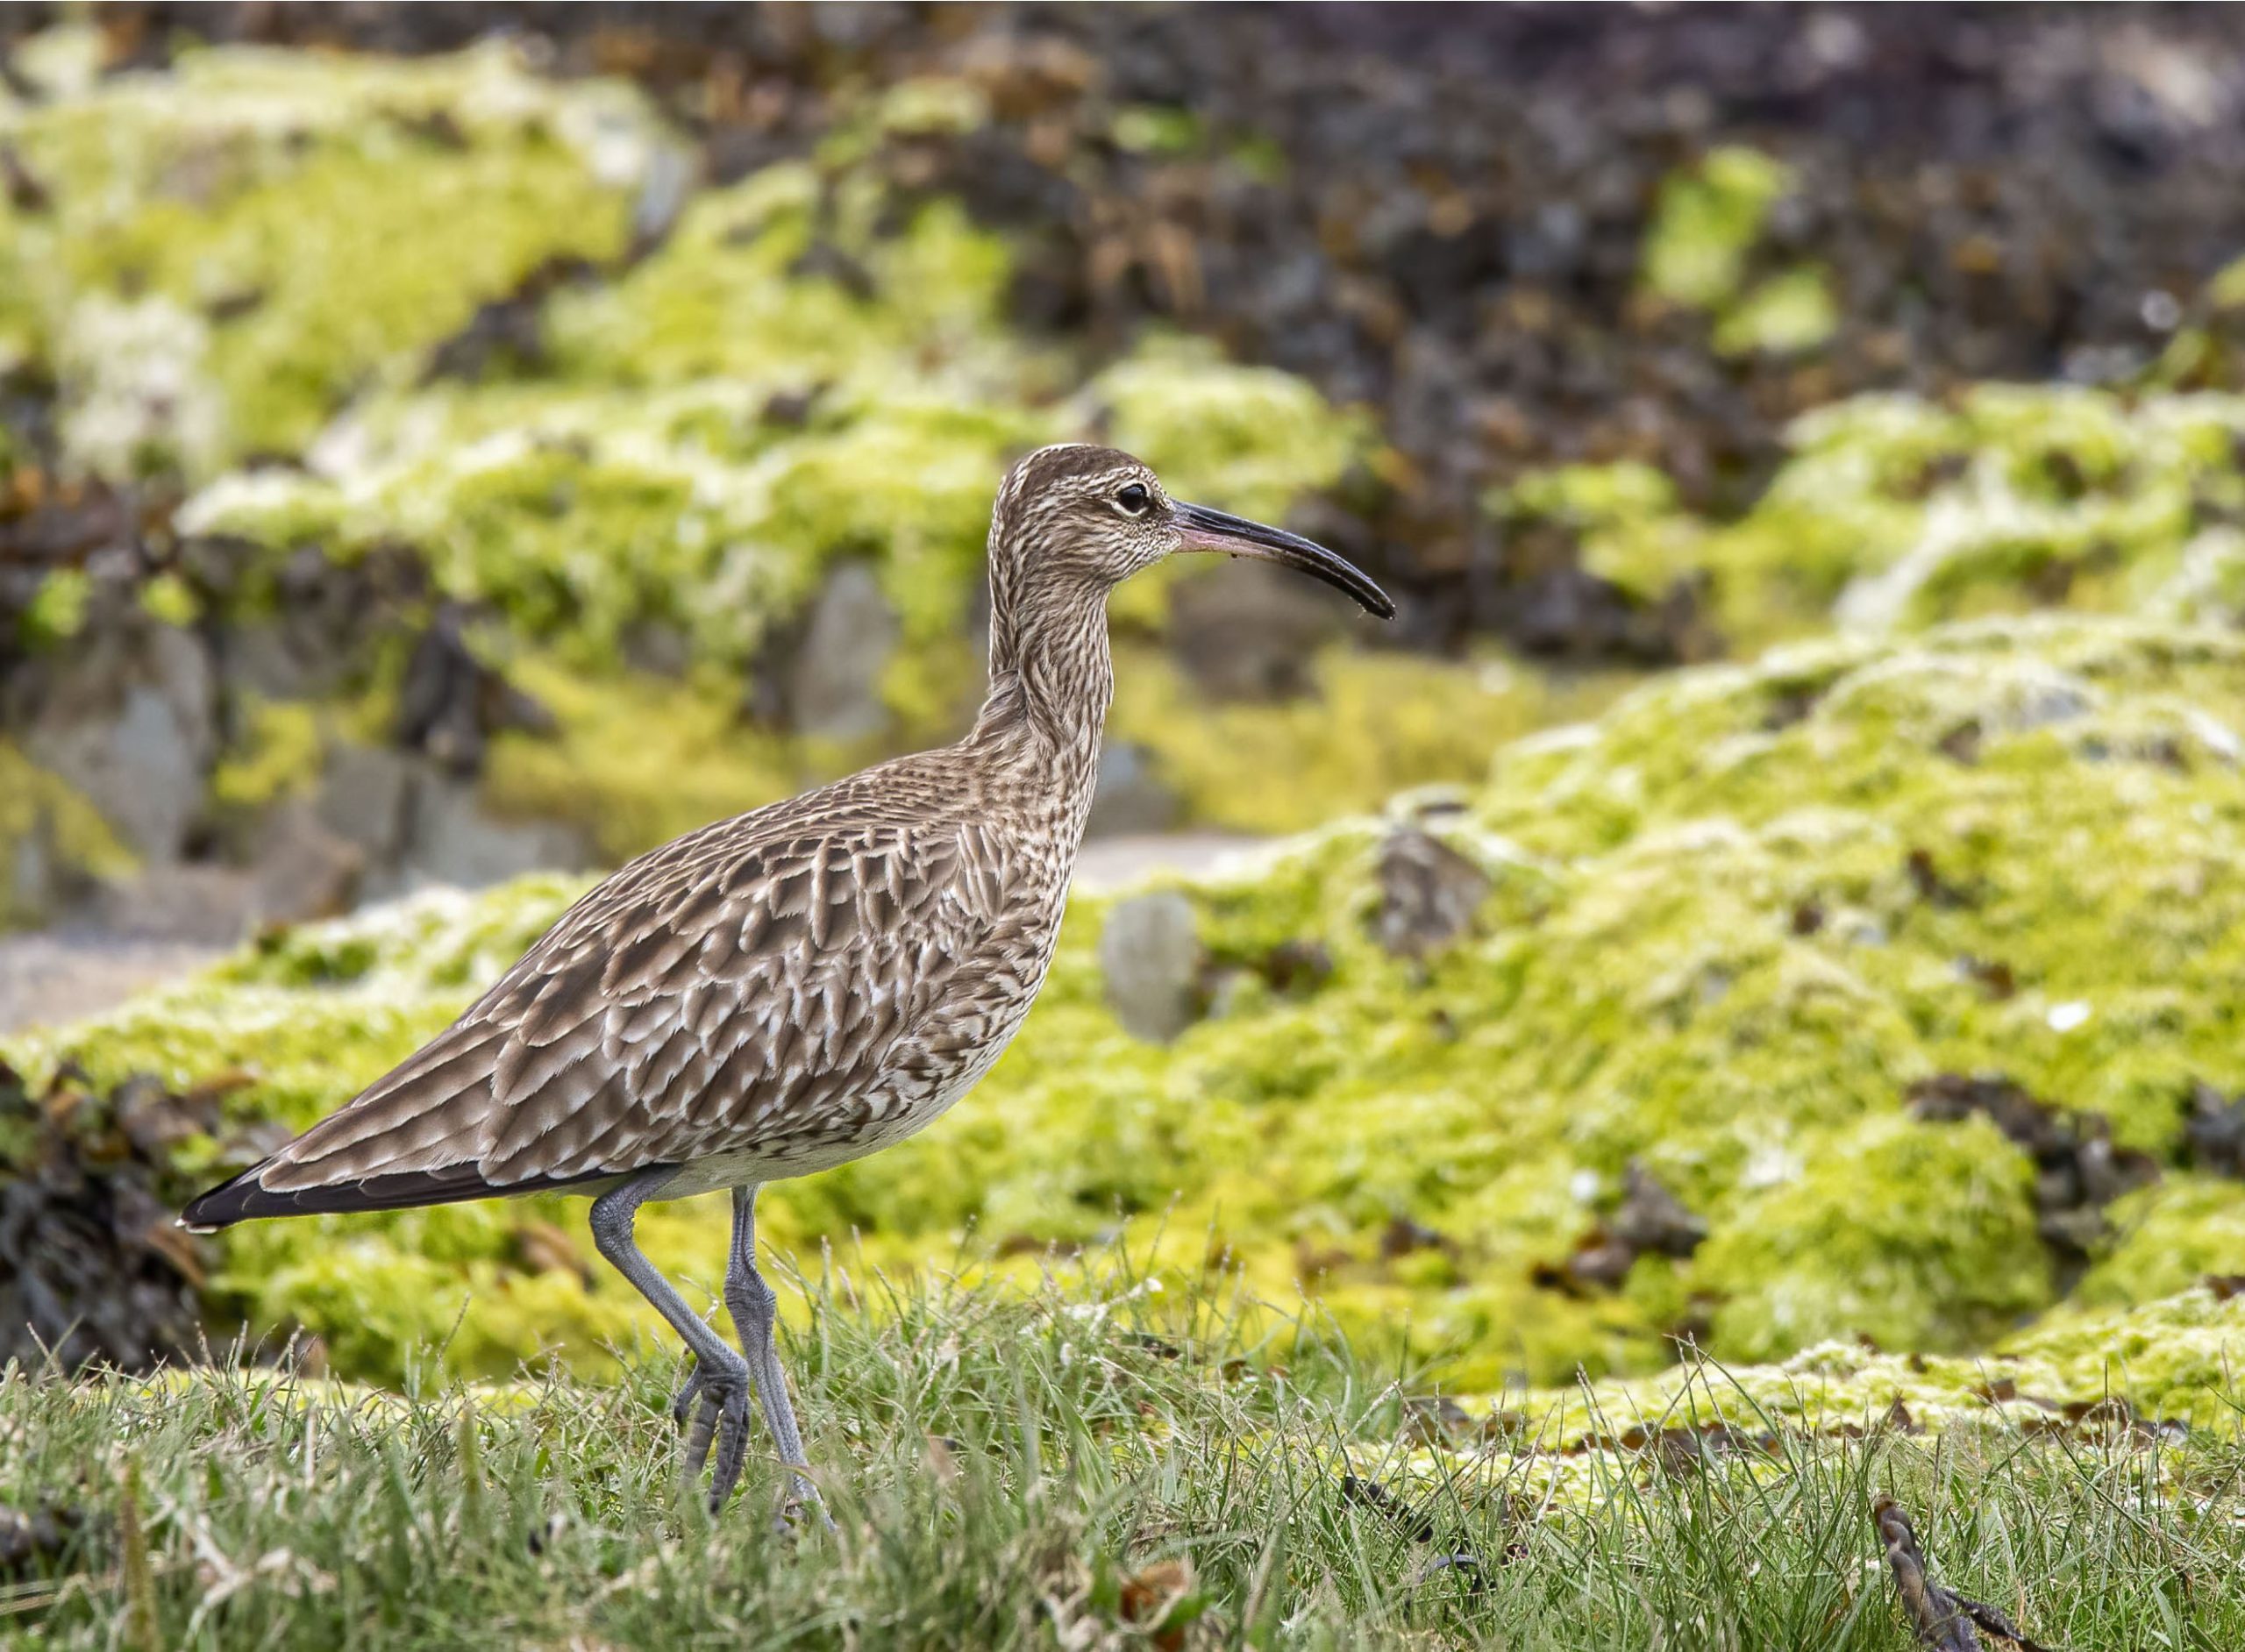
(455, 448)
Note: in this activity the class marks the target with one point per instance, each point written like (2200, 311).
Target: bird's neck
(1052, 677)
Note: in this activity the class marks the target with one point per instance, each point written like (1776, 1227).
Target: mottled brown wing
(735, 991)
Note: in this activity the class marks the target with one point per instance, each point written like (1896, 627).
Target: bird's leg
(721, 1377)
(755, 1316)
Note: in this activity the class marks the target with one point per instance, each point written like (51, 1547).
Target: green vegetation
(1089, 1464)
(215, 255)
(44, 823)
(1893, 514)
(1730, 924)
(1699, 248)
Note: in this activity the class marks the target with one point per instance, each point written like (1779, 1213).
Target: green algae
(1706, 223)
(1894, 513)
(2172, 1361)
(1729, 925)
(47, 827)
(277, 755)
(226, 249)
(1371, 726)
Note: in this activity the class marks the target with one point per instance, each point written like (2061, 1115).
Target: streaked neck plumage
(1052, 676)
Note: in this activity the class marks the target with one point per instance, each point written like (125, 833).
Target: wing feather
(728, 988)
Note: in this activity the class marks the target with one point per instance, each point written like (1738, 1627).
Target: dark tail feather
(245, 1196)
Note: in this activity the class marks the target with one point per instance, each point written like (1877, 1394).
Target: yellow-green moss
(1371, 725)
(1892, 514)
(2173, 1360)
(1708, 947)
(1249, 440)
(1706, 223)
(42, 817)
(278, 755)
(1910, 1237)
(268, 230)
(1785, 315)
(638, 759)
(2169, 1237)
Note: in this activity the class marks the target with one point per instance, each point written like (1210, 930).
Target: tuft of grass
(1078, 1466)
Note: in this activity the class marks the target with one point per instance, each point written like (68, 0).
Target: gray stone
(450, 839)
(363, 799)
(202, 905)
(303, 870)
(128, 720)
(1248, 630)
(832, 679)
(1129, 796)
(1429, 892)
(1150, 953)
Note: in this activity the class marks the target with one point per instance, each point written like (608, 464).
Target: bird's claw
(719, 1418)
(681, 1405)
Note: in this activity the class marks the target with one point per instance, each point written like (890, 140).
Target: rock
(1150, 953)
(1429, 892)
(450, 839)
(303, 870)
(1652, 1218)
(830, 678)
(92, 1268)
(1130, 797)
(198, 905)
(452, 702)
(363, 798)
(127, 720)
(1245, 630)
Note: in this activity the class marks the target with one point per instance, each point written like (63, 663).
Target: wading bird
(801, 985)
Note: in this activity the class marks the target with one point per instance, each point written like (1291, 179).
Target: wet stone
(1150, 953)
(1429, 892)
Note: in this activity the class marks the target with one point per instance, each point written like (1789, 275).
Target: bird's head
(1084, 518)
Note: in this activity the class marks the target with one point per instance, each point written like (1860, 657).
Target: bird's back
(771, 994)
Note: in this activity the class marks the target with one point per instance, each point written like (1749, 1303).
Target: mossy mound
(1897, 512)
(2170, 1364)
(801, 376)
(209, 258)
(1728, 927)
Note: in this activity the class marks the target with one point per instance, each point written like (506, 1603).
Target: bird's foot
(799, 1503)
(716, 1398)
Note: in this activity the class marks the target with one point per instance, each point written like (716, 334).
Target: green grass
(1009, 1470)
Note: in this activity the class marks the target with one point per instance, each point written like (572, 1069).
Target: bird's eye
(1134, 499)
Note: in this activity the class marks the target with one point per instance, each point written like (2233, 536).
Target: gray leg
(722, 1377)
(755, 1314)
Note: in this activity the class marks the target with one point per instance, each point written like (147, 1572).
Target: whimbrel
(796, 987)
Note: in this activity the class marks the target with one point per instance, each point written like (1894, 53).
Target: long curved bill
(1202, 529)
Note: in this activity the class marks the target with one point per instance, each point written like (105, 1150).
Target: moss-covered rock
(216, 254)
(1728, 926)
(50, 837)
(1894, 513)
(791, 380)
(2171, 1361)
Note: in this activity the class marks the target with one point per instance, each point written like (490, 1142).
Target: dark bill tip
(1202, 528)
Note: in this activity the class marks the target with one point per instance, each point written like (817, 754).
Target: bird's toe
(732, 1445)
(681, 1405)
(716, 1398)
